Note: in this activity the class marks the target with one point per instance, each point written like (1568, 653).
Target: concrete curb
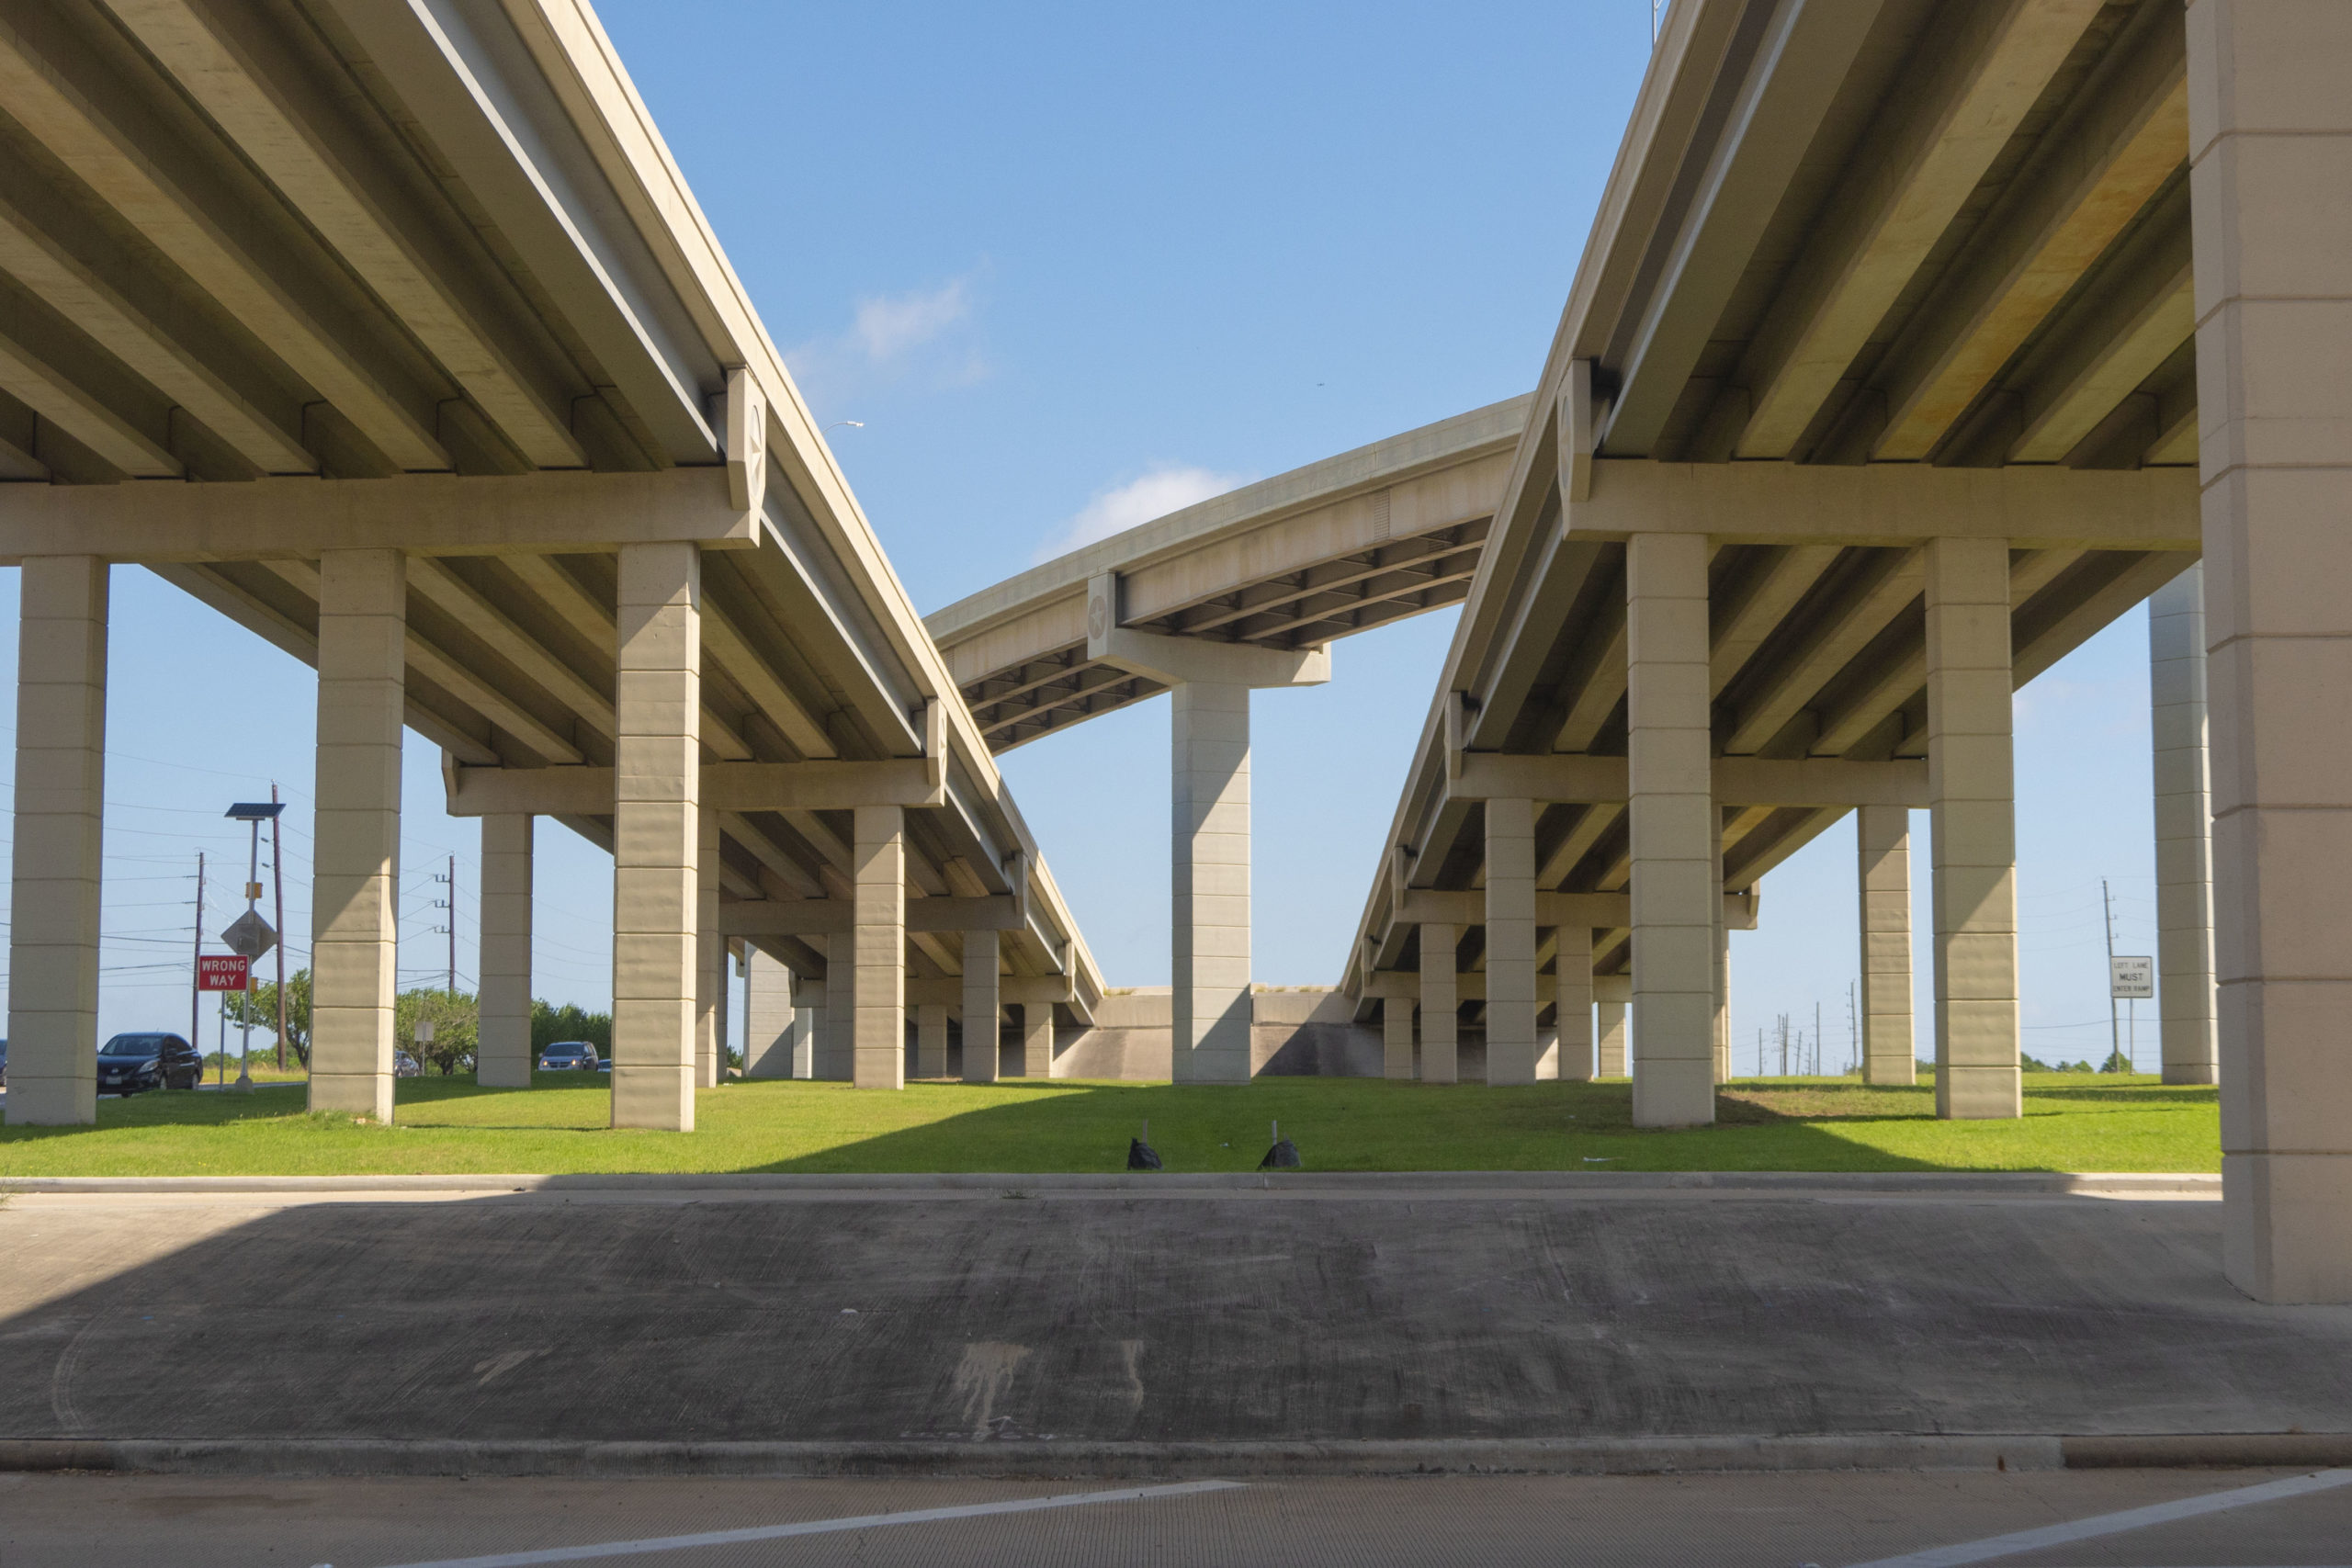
(1536, 1456)
(2022, 1183)
(1596, 1456)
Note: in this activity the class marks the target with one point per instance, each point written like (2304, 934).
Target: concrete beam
(1891, 504)
(420, 513)
(1423, 906)
(1738, 781)
(1183, 660)
(827, 917)
(727, 786)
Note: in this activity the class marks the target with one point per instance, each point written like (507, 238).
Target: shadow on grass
(1339, 1124)
(1068, 1125)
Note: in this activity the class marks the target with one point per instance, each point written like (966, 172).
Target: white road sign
(250, 935)
(2132, 979)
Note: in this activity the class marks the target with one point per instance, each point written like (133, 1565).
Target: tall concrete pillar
(1396, 1039)
(931, 1040)
(1209, 881)
(1882, 838)
(1972, 824)
(981, 1038)
(1720, 1021)
(1511, 941)
(355, 918)
(726, 960)
(657, 837)
(2271, 139)
(710, 958)
(768, 1015)
(880, 938)
(1612, 998)
(1574, 1001)
(503, 1045)
(1440, 1017)
(60, 798)
(1036, 1040)
(836, 1047)
(1675, 829)
(807, 1025)
(2184, 829)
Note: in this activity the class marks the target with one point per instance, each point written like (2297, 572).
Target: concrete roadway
(1895, 1521)
(1329, 1311)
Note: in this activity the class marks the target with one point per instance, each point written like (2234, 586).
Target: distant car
(405, 1065)
(569, 1057)
(130, 1063)
(3, 1064)
(604, 1063)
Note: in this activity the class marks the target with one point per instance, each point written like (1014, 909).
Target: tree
(263, 1000)
(457, 1026)
(550, 1024)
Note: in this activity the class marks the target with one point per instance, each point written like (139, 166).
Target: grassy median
(2072, 1122)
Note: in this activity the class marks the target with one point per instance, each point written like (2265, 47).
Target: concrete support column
(1574, 1000)
(808, 1020)
(1882, 840)
(981, 1038)
(1396, 1039)
(1721, 1022)
(768, 1017)
(1511, 941)
(1972, 823)
(879, 863)
(1209, 881)
(502, 1046)
(1612, 996)
(1674, 827)
(657, 837)
(1037, 1039)
(355, 919)
(931, 1040)
(2269, 148)
(2184, 829)
(1441, 1016)
(710, 959)
(836, 1048)
(61, 797)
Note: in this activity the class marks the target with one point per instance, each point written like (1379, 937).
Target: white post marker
(2113, 1524)
(823, 1526)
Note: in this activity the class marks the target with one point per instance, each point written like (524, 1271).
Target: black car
(569, 1056)
(129, 1062)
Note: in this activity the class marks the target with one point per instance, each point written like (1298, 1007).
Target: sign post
(2130, 979)
(249, 935)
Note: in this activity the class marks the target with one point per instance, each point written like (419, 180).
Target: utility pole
(277, 878)
(450, 903)
(195, 991)
(1784, 1044)
(1853, 1026)
(1817, 1037)
(2114, 1033)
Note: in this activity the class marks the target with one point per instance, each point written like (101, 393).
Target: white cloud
(889, 327)
(1162, 489)
(923, 336)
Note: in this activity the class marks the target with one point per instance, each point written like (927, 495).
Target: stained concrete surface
(964, 1316)
(1737, 1521)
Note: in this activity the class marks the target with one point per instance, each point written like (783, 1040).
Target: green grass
(2072, 1122)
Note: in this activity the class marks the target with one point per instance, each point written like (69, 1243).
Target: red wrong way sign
(222, 971)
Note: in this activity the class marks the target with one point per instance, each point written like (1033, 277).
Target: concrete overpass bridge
(1243, 590)
(394, 333)
(1885, 379)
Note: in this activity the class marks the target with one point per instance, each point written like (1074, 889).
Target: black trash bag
(1283, 1156)
(1142, 1156)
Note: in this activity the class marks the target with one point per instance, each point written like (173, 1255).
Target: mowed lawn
(2072, 1122)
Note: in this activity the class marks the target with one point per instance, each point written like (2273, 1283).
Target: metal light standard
(249, 934)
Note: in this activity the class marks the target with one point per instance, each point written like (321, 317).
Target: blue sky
(1069, 267)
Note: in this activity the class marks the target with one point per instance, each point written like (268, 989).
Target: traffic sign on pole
(222, 971)
(250, 935)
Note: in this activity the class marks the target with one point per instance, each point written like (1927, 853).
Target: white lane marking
(2114, 1524)
(822, 1527)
